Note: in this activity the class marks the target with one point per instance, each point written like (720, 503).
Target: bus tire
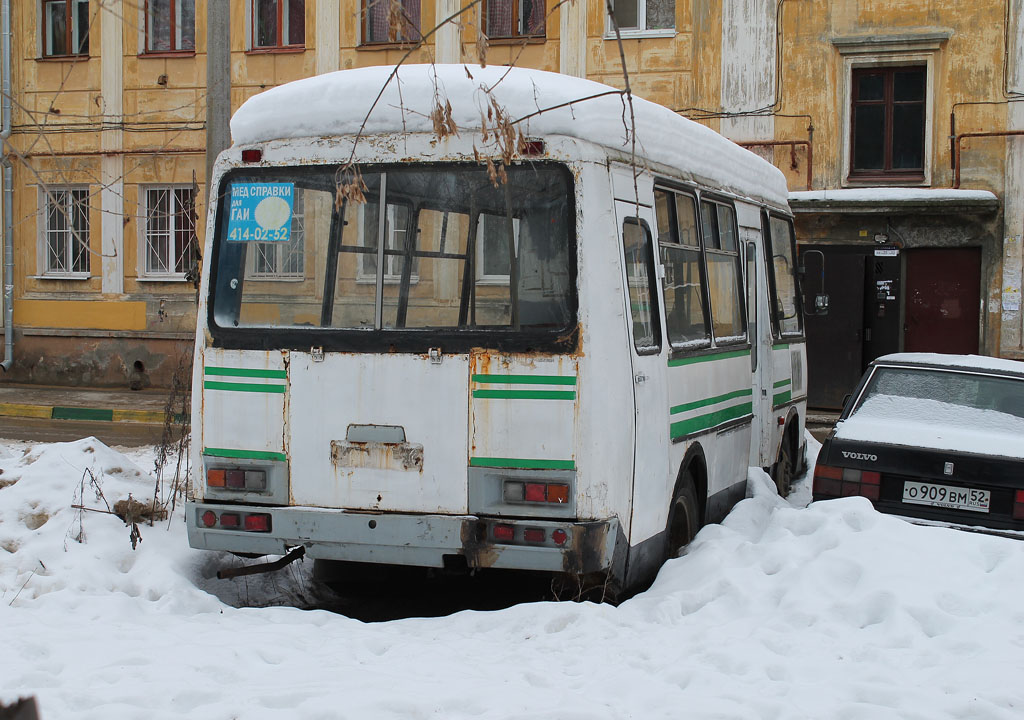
(782, 473)
(683, 516)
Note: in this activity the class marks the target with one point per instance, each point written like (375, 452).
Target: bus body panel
(243, 401)
(379, 431)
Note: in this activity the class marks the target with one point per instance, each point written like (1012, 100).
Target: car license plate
(920, 493)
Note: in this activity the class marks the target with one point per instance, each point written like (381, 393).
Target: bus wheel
(783, 471)
(683, 516)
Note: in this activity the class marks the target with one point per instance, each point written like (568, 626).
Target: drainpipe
(8, 181)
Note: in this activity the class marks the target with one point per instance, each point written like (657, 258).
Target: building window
(278, 24)
(66, 235)
(170, 247)
(396, 232)
(389, 21)
(725, 288)
(283, 260)
(492, 264)
(643, 15)
(65, 27)
(515, 18)
(170, 25)
(888, 122)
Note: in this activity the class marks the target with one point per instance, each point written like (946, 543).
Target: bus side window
(686, 316)
(643, 302)
(724, 271)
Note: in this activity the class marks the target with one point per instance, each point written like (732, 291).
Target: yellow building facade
(107, 144)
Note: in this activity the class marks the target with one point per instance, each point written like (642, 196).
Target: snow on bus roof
(337, 103)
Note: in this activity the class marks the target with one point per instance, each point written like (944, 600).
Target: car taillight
(237, 479)
(1018, 505)
(257, 523)
(504, 532)
(830, 481)
(535, 492)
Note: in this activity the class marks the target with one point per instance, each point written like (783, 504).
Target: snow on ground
(829, 611)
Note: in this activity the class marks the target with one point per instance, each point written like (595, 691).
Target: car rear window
(940, 396)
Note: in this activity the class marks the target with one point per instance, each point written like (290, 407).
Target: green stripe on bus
(781, 346)
(525, 379)
(246, 372)
(708, 358)
(77, 413)
(782, 397)
(526, 394)
(242, 387)
(522, 463)
(249, 454)
(782, 383)
(710, 401)
(703, 422)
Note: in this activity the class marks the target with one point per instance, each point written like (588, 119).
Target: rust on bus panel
(477, 549)
(380, 456)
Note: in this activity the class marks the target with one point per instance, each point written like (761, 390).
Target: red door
(943, 300)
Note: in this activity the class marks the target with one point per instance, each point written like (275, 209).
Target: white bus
(564, 362)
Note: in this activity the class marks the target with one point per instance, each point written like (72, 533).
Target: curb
(57, 412)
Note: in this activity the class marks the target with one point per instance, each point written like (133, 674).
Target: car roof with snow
(400, 100)
(941, 361)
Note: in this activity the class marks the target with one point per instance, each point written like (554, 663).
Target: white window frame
(144, 36)
(75, 30)
(47, 193)
(481, 277)
(144, 232)
(641, 30)
(282, 250)
(879, 51)
(389, 278)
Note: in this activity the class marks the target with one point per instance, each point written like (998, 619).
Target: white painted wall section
(748, 67)
(112, 165)
(1012, 336)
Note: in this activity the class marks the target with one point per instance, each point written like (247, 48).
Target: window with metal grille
(278, 24)
(640, 15)
(388, 21)
(170, 25)
(282, 260)
(888, 122)
(65, 27)
(514, 18)
(66, 235)
(170, 247)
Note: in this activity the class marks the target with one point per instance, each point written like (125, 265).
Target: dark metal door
(835, 342)
(943, 300)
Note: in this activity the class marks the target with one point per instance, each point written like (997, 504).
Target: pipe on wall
(8, 181)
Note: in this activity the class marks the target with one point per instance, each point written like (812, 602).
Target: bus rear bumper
(406, 539)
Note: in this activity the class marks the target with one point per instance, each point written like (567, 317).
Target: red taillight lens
(215, 478)
(229, 520)
(558, 493)
(209, 518)
(252, 155)
(504, 532)
(235, 479)
(536, 535)
(531, 147)
(559, 537)
(536, 492)
(830, 481)
(257, 523)
(1018, 505)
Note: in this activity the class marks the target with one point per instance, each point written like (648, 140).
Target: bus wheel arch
(688, 505)
(787, 462)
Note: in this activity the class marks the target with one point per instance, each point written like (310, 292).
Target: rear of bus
(389, 374)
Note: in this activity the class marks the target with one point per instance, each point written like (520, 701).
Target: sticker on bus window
(261, 212)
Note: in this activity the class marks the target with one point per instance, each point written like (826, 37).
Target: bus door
(748, 218)
(647, 353)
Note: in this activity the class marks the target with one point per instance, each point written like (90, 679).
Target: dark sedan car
(932, 437)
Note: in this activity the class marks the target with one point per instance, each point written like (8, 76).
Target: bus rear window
(431, 247)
